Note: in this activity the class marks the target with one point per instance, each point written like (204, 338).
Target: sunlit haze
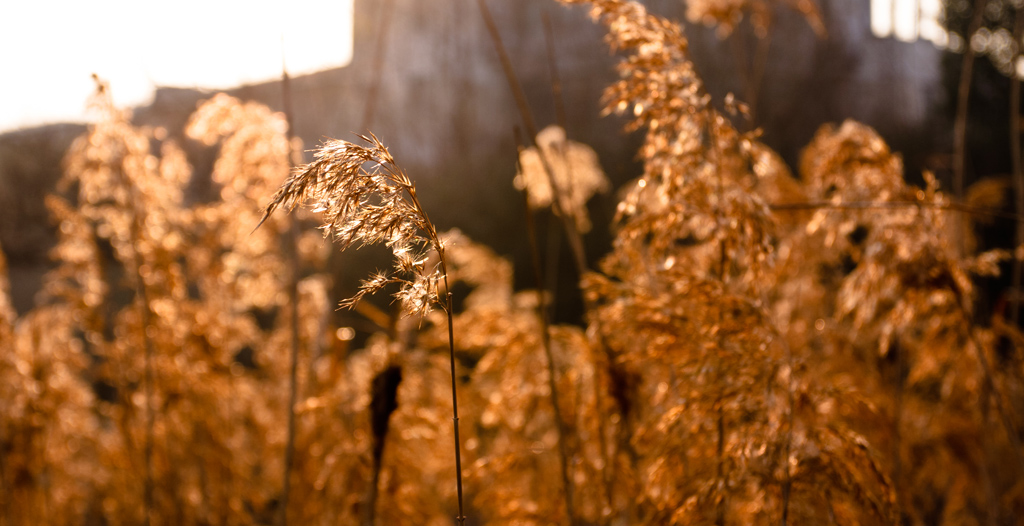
(51, 49)
(909, 20)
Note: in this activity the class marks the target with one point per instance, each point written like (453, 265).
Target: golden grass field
(763, 344)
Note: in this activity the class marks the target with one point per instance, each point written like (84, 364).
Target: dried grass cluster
(758, 349)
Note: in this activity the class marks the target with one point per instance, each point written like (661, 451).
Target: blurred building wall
(445, 110)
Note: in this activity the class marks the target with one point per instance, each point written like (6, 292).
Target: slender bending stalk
(545, 324)
(1001, 407)
(575, 239)
(455, 398)
(723, 276)
(787, 482)
(764, 45)
(568, 223)
(373, 205)
(293, 300)
(990, 383)
(556, 79)
(131, 200)
(962, 101)
(150, 419)
(1018, 175)
(752, 74)
(897, 421)
(145, 319)
(379, 52)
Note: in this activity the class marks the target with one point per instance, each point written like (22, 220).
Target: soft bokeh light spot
(345, 334)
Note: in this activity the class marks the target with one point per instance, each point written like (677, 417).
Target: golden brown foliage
(758, 349)
(725, 15)
(574, 168)
(368, 207)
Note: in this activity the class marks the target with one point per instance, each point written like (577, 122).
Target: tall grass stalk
(379, 54)
(1018, 174)
(556, 80)
(963, 101)
(293, 310)
(544, 313)
(367, 199)
(530, 126)
(569, 225)
(134, 204)
(145, 320)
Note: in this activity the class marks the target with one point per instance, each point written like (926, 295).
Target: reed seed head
(366, 199)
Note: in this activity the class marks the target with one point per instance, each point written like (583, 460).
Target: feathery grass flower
(367, 199)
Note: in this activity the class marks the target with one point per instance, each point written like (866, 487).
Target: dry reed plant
(725, 15)
(380, 205)
(250, 275)
(892, 304)
(516, 427)
(48, 437)
(759, 349)
(130, 201)
(681, 307)
(574, 168)
(167, 303)
(751, 59)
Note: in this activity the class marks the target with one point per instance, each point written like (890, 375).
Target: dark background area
(444, 108)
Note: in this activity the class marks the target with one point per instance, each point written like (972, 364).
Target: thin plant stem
(544, 314)
(145, 318)
(341, 188)
(900, 386)
(1004, 415)
(828, 506)
(575, 239)
(150, 418)
(380, 52)
(787, 483)
(601, 437)
(556, 80)
(720, 452)
(990, 383)
(293, 300)
(722, 278)
(739, 53)
(1018, 174)
(568, 223)
(764, 46)
(455, 399)
(963, 101)
(562, 119)
(449, 313)
(554, 257)
(894, 205)
(992, 508)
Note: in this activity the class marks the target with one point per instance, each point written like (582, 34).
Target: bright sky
(49, 50)
(908, 20)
